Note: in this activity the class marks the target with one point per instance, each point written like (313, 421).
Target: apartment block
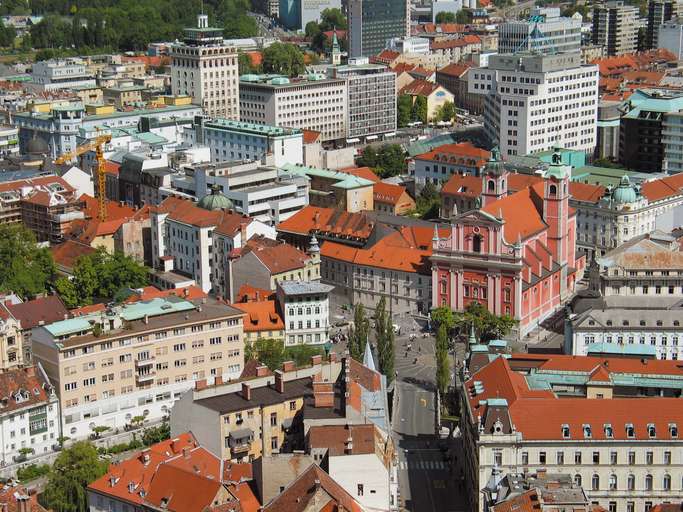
(29, 415)
(305, 307)
(658, 13)
(615, 27)
(205, 68)
(372, 23)
(545, 31)
(57, 74)
(312, 102)
(136, 359)
(536, 102)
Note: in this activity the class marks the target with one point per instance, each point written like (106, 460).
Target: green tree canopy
(25, 269)
(428, 202)
(384, 336)
(445, 17)
(331, 19)
(283, 59)
(245, 65)
(443, 315)
(442, 368)
(312, 29)
(273, 353)
(390, 160)
(463, 17)
(7, 35)
(100, 275)
(75, 468)
(404, 108)
(358, 333)
(487, 326)
(446, 112)
(419, 112)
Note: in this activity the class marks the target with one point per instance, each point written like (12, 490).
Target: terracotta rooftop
(466, 40)
(462, 153)
(664, 188)
(314, 219)
(313, 485)
(66, 253)
(26, 383)
(454, 69)
(248, 293)
(439, 28)
(43, 309)
(311, 136)
(419, 87)
(260, 316)
(361, 172)
(526, 502)
(11, 495)
(276, 256)
(387, 193)
(187, 212)
(521, 211)
(335, 438)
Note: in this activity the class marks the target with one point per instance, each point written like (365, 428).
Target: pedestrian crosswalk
(423, 464)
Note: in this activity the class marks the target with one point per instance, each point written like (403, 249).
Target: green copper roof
(624, 193)
(215, 201)
(344, 180)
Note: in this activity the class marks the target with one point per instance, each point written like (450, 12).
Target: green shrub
(32, 471)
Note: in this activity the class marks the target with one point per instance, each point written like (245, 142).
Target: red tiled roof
(586, 192)
(115, 210)
(336, 437)
(260, 316)
(313, 219)
(525, 502)
(455, 69)
(43, 309)
(462, 153)
(86, 310)
(152, 292)
(10, 495)
(276, 256)
(461, 42)
(187, 212)
(154, 61)
(248, 293)
(526, 405)
(27, 380)
(361, 172)
(419, 87)
(111, 167)
(313, 484)
(311, 136)
(401, 67)
(661, 189)
(387, 193)
(385, 57)
(442, 28)
(66, 253)
(521, 212)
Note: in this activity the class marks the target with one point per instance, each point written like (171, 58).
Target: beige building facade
(137, 359)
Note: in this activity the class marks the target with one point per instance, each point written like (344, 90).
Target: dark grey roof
(261, 396)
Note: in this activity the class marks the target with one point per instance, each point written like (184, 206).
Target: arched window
(553, 190)
(648, 482)
(613, 482)
(476, 243)
(491, 186)
(595, 482)
(577, 480)
(667, 482)
(631, 482)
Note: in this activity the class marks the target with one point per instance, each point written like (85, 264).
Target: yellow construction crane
(97, 145)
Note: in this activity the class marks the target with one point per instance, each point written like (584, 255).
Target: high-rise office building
(372, 23)
(658, 12)
(536, 102)
(545, 31)
(206, 69)
(615, 27)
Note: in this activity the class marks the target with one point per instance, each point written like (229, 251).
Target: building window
(273, 419)
(613, 458)
(666, 483)
(577, 480)
(541, 458)
(360, 489)
(648, 482)
(596, 457)
(595, 482)
(560, 458)
(273, 443)
(612, 506)
(631, 482)
(525, 458)
(498, 458)
(649, 458)
(631, 458)
(577, 458)
(630, 506)
(613, 482)
(667, 457)
(476, 243)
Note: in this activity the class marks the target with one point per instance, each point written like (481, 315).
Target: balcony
(143, 378)
(240, 441)
(144, 363)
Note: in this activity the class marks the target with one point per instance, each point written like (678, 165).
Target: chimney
(186, 452)
(317, 359)
(144, 456)
(261, 371)
(243, 232)
(146, 319)
(246, 391)
(288, 366)
(200, 384)
(279, 381)
(23, 503)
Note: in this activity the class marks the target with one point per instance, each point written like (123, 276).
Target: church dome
(495, 166)
(625, 192)
(215, 201)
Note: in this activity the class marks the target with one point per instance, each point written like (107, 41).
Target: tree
(331, 19)
(358, 333)
(75, 468)
(445, 17)
(156, 434)
(245, 65)
(7, 35)
(428, 202)
(487, 326)
(419, 112)
(102, 275)
(446, 112)
(443, 315)
(389, 161)
(283, 59)
(99, 430)
(268, 351)
(404, 107)
(463, 17)
(386, 351)
(442, 368)
(312, 29)
(25, 269)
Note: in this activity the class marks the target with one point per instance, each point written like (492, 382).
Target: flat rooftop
(252, 128)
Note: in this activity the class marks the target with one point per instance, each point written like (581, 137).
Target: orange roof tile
(111, 167)
(248, 293)
(586, 192)
(260, 316)
(361, 172)
(455, 69)
(10, 495)
(661, 189)
(335, 438)
(419, 87)
(525, 502)
(311, 136)
(276, 256)
(66, 253)
(86, 310)
(192, 292)
(387, 193)
(521, 213)
(255, 57)
(463, 153)
(401, 67)
(312, 219)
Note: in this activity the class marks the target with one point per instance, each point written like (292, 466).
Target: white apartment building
(29, 416)
(536, 102)
(611, 423)
(136, 359)
(185, 233)
(9, 140)
(670, 37)
(312, 102)
(57, 74)
(306, 310)
(410, 45)
(615, 27)
(205, 68)
(259, 191)
(231, 140)
(545, 31)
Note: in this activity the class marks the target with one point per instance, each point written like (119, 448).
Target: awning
(352, 141)
(371, 137)
(390, 134)
(242, 433)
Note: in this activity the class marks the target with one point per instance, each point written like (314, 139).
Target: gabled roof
(419, 87)
(455, 69)
(115, 210)
(179, 490)
(311, 136)
(27, 384)
(43, 309)
(664, 188)
(313, 484)
(462, 153)
(12, 494)
(387, 193)
(276, 256)
(66, 253)
(248, 293)
(461, 42)
(314, 219)
(521, 211)
(362, 172)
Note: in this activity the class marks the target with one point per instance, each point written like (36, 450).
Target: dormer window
(673, 430)
(630, 431)
(651, 431)
(587, 431)
(609, 433)
(565, 431)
